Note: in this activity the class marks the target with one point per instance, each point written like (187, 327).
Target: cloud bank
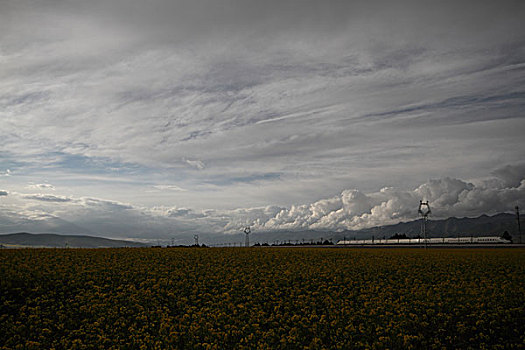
(353, 209)
(350, 210)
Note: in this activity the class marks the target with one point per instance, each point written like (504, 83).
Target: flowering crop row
(248, 298)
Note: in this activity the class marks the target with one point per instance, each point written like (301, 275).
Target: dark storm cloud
(512, 175)
(194, 21)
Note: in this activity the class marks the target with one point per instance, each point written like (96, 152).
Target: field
(248, 298)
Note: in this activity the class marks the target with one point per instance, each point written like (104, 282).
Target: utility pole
(518, 220)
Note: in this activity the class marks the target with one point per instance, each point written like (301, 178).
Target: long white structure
(450, 240)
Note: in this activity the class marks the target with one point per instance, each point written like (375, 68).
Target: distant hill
(50, 240)
(452, 227)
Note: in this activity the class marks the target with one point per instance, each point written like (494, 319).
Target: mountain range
(483, 225)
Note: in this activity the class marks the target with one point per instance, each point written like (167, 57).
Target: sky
(147, 119)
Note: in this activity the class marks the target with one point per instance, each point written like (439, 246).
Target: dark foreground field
(262, 298)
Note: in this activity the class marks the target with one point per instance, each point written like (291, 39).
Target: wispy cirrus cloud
(251, 104)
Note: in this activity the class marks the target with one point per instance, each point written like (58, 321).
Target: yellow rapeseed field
(262, 298)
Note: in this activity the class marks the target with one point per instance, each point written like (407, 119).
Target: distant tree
(506, 235)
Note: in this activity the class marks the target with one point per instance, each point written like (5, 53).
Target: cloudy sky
(144, 119)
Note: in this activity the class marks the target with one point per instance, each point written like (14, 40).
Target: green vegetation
(264, 298)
